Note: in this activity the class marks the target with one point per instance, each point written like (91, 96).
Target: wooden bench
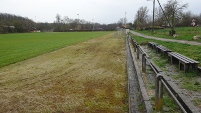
(163, 50)
(185, 63)
(152, 45)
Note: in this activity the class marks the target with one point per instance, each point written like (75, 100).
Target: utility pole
(153, 15)
(172, 28)
(138, 20)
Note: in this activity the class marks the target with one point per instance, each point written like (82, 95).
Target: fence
(162, 81)
(138, 96)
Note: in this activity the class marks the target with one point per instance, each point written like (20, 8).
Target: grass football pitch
(18, 47)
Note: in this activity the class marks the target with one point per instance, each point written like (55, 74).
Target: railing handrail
(175, 96)
(183, 106)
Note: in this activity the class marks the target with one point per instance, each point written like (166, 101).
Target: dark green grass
(191, 51)
(18, 47)
(184, 33)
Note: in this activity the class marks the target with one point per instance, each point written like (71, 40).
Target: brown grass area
(86, 77)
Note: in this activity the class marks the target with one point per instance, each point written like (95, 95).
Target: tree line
(171, 14)
(10, 23)
(69, 24)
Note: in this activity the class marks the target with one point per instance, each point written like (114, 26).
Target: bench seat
(185, 63)
(163, 50)
(152, 45)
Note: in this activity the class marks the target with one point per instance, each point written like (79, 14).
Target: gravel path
(164, 39)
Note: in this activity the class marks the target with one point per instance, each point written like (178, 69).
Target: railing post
(128, 37)
(135, 46)
(159, 94)
(138, 52)
(143, 62)
(156, 94)
(133, 43)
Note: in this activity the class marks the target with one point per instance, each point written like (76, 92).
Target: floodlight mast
(93, 24)
(78, 22)
(125, 20)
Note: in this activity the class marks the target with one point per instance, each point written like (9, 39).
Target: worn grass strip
(89, 77)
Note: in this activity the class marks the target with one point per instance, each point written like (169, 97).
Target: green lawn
(18, 47)
(184, 33)
(190, 51)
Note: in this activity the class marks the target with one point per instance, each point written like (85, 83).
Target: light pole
(125, 20)
(93, 25)
(78, 16)
(153, 15)
(78, 22)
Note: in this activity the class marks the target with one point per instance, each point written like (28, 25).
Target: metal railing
(143, 97)
(162, 81)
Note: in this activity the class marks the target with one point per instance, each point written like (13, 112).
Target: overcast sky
(102, 11)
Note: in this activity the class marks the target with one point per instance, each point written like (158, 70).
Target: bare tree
(58, 18)
(173, 10)
(141, 17)
(186, 18)
(159, 17)
(66, 20)
(121, 22)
